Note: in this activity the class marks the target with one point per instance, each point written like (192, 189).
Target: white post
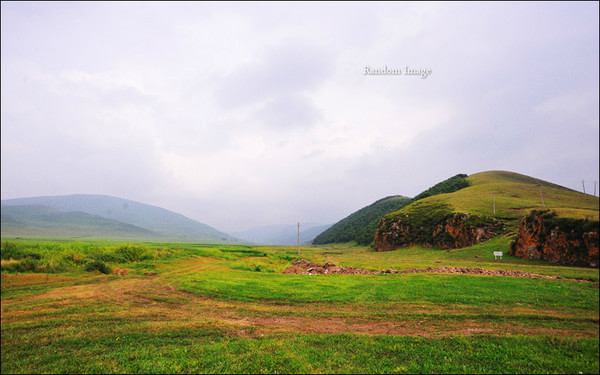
(298, 238)
(494, 201)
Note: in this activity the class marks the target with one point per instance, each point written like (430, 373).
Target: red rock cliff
(455, 231)
(542, 236)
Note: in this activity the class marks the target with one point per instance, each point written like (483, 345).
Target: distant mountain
(47, 221)
(360, 226)
(281, 234)
(156, 221)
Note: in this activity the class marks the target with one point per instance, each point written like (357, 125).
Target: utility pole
(595, 188)
(494, 202)
(583, 183)
(541, 196)
(298, 238)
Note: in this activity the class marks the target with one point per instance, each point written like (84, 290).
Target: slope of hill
(494, 202)
(510, 195)
(165, 224)
(450, 185)
(281, 234)
(360, 226)
(47, 221)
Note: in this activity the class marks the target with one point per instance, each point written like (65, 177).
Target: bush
(52, 266)
(132, 253)
(74, 258)
(25, 265)
(450, 185)
(29, 264)
(97, 265)
(11, 250)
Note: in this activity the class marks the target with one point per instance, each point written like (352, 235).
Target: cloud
(240, 115)
(291, 67)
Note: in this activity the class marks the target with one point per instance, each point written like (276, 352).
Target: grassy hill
(496, 200)
(156, 221)
(514, 195)
(507, 196)
(360, 226)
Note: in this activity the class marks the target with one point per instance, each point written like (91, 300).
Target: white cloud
(231, 111)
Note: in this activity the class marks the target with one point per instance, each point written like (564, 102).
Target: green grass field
(181, 308)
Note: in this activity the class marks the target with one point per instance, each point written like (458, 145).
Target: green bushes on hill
(447, 186)
(361, 225)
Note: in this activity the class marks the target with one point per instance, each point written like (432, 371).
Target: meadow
(100, 306)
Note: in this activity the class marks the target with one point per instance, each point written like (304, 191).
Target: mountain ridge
(165, 224)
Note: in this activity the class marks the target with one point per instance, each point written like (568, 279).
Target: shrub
(74, 258)
(11, 250)
(25, 265)
(450, 185)
(97, 265)
(29, 264)
(132, 253)
(52, 266)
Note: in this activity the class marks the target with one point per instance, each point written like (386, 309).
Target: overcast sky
(240, 115)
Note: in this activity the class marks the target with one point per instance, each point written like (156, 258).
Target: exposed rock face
(455, 231)
(557, 240)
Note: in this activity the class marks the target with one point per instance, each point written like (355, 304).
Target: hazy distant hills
(47, 221)
(101, 216)
(281, 234)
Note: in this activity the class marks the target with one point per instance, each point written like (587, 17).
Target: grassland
(181, 308)
(515, 195)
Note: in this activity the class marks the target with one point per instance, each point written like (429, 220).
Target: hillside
(497, 202)
(360, 226)
(157, 221)
(514, 195)
(47, 221)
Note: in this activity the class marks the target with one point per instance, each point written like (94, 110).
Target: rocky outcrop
(543, 236)
(456, 230)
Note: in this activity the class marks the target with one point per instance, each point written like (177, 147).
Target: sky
(240, 115)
